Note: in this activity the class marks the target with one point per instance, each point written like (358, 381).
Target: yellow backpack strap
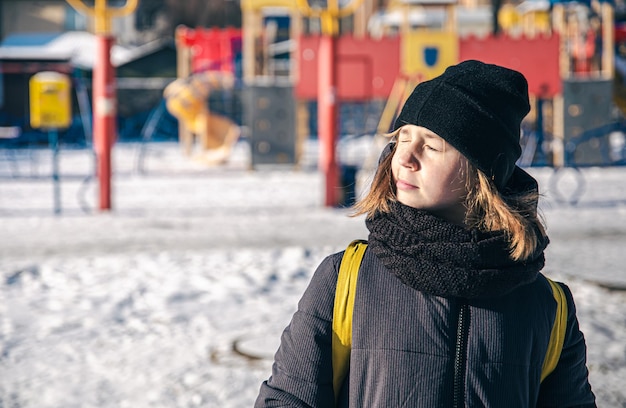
(557, 335)
(342, 311)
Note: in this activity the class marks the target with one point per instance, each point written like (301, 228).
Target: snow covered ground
(177, 297)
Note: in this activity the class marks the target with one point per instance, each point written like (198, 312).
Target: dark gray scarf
(434, 256)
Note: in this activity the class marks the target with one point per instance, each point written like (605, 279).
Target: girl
(451, 309)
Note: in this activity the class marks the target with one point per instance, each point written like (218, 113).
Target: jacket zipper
(460, 357)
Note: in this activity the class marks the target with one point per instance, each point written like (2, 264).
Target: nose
(407, 158)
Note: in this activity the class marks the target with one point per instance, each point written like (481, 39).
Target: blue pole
(53, 138)
(540, 155)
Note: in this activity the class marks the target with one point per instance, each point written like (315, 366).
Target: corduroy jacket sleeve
(568, 385)
(302, 369)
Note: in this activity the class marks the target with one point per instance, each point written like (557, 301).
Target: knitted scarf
(434, 256)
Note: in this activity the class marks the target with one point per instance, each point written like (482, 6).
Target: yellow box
(50, 100)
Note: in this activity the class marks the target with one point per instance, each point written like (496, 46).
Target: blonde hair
(487, 209)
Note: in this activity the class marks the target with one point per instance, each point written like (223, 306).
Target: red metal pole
(104, 114)
(327, 117)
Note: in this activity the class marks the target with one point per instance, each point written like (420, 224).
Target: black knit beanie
(477, 108)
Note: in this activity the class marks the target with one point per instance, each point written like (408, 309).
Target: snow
(76, 46)
(178, 296)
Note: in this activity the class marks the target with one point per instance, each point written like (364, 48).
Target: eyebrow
(433, 136)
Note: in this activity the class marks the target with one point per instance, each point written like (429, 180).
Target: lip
(403, 185)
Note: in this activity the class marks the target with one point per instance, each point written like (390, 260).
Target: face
(427, 173)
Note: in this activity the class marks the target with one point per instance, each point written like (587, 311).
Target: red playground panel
(620, 32)
(212, 49)
(537, 58)
(367, 68)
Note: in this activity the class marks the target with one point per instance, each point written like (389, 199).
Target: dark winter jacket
(410, 349)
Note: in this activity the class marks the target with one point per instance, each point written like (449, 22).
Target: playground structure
(187, 100)
(566, 52)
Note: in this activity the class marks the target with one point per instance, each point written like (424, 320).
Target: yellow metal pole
(608, 43)
(102, 14)
(101, 18)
